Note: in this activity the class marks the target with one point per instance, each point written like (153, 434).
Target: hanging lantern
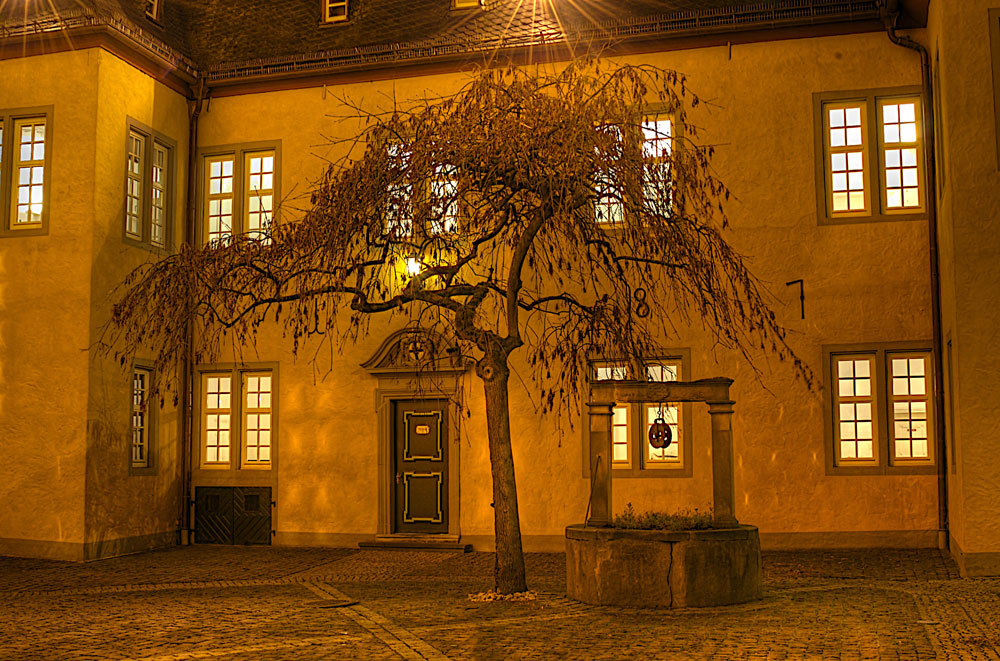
(660, 435)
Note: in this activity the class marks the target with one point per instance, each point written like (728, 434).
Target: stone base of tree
(661, 568)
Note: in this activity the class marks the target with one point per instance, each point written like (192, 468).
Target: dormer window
(465, 4)
(154, 9)
(334, 11)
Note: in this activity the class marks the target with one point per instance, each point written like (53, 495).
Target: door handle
(399, 478)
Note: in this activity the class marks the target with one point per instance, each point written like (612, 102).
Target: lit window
(219, 198)
(657, 152)
(444, 198)
(909, 403)
(465, 4)
(133, 186)
(141, 428)
(882, 409)
(845, 143)
(334, 11)
(855, 409)
(29, 173)
(246, 397)
(872, 151)
(259, 193)
(630, 423)
(158, 215)
(901, 152)
(217, 418)
(609, 208)
(257, 418)
(399, 200)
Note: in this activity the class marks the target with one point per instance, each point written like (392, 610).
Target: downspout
(889, 13)
(187, 367)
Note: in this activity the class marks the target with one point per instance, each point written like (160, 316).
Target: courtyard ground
(207, 602)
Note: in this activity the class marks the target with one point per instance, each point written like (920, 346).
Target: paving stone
(217, 602)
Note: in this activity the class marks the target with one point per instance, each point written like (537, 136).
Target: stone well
(661, 568)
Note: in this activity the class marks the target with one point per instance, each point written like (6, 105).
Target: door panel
(252, 515)
(232, 515)
(213, 509)
(420, 438)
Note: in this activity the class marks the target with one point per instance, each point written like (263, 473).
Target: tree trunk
(508, 572)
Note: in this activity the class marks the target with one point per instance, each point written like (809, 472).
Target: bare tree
(568, 210)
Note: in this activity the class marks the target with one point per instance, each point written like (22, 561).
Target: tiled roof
(228, 38)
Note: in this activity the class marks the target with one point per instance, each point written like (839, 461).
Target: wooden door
(420, 440)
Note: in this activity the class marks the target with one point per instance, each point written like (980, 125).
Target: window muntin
(444, 201)
(900, 137)
(133, 184)
(334, 11)
(141, 378)
(869, 152)
(158, 210)
(216, 418)
(219, 198)
(881, 415)
(909, 403)
(258, 193)
(257, 418)
(28, 190)
(847, 165)
(855, 408)
(630, 423)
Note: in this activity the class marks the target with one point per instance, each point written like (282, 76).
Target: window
(142, 421)
(240, 189)
(872, 155)
(441, 193)
(465, 4)
(140, 417)
(334, 11)
(631, 452)
(25, 161)
(880, 408)
(154, 9)
(657, 178)
(237, 418)
(148, 182)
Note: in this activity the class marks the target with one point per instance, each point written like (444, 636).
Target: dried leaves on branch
(539, 208)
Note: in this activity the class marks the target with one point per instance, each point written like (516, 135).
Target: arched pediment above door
(415, 352)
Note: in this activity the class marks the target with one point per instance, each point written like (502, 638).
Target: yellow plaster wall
(971, 283)
(121, 506)
(44, 307)
(864, 283)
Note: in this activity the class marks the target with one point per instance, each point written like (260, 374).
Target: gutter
(187, 366)
(889, 13)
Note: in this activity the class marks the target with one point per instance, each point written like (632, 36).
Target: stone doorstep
(417, 542)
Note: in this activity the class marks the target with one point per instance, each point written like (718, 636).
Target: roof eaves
(68, 21)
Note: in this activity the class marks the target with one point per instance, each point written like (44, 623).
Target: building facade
(860, 140)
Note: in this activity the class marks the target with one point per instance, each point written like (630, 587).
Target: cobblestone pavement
(208, 602)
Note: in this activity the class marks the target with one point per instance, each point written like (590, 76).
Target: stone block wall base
(663, 569)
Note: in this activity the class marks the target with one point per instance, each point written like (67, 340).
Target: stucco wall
(125, 509)
(44, 311)
(971, 292)
(864, 283)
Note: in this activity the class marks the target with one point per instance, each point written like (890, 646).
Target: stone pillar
(600, 463)
(723, 490)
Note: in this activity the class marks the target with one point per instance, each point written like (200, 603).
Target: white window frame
(245, 410)
(143, 419)
(638, 462)
(37, 167)
(885, 459)
(876, 143)
(242, 198)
